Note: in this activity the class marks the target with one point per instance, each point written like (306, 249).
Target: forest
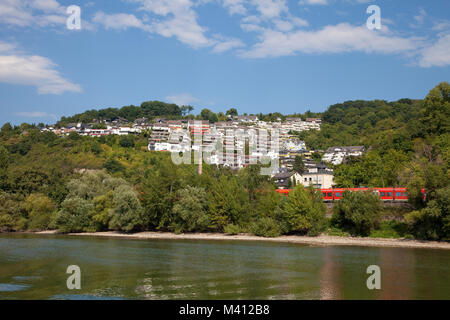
(80, 184)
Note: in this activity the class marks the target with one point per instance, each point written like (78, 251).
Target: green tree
(357, 212)
(433, 221)
(437, 109)
(228, 203)
(232, 112)
(113, 166)
(191, 210)
(40, 210)
(299, 166)
(304, 211)
(12, 216)
(126, 214)
(75, 216)
(126, 141)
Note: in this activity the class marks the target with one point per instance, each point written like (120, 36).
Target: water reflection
(33, 267)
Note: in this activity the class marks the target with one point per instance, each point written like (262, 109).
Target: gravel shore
(322, 240)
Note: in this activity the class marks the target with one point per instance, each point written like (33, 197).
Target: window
(389, 194)
(398, 194)
(383, 194)
(337, 194)
(324, 194)
(329, 194)
(405, 194)
(310, 179)
(306, 179)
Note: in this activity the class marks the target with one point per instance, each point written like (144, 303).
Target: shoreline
(322, 240)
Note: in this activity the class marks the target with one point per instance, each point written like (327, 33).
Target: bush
(358, 213)
(127, 213)
(266, 227)
(433, 221)
(74, 216)
(190, 211)
(12, 217)
(113, 166)
(304, 211)
(40, 209)
(126, 141)
(232, 229)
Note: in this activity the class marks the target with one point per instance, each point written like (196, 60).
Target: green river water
(34, 267)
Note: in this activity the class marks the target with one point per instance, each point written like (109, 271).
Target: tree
(12, 217)
(299, 165)
(40, 209)
(191, 210)
(75, 216)
(113, 166)
(185, 110)
(358, 212)
(126, 141)
(433, 221)
(207, 114)
(4, 158)
(304, 211)
(437, 109)
(232, 112)
(228, 203)
(126, 214)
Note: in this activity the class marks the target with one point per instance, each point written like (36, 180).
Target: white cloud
(35, 71)
(421, 16)
(270, 9)
(313, 2)
(227, 45)
(35, 114)
(437, 54)
(176, 18)
(235, 6)
(25, 13)
(118, 21)
(330, 39)
(182, 99)
(6, 47)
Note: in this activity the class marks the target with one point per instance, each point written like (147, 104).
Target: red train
(386, 194)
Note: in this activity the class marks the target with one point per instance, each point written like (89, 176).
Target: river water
(34, 267)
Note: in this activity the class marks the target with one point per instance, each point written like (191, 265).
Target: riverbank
(323, 240)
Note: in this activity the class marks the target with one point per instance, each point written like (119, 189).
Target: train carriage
(398, 194)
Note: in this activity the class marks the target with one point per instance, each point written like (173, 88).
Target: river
(34, 267)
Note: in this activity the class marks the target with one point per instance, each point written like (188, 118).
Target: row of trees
(146, 191)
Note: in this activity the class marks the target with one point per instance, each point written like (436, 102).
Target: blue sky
(255, 55)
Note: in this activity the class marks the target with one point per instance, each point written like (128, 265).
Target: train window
(405, 194)
(389, 194)
(337, 194)
(329, 194)
(383, 194)
(398, 194)
(324, 194)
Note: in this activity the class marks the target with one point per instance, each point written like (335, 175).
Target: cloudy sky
(255, 55)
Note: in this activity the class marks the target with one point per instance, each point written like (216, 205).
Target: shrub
(74, 216)
(232, 229)
(266, 227)
(126, 141)
(113, 166)
(304, 211)
(40, 209)
(357, 212)
(190, 210)
(12, 217)
(127, 213)
(433, 221)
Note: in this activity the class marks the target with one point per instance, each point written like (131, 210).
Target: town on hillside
(297, 163)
